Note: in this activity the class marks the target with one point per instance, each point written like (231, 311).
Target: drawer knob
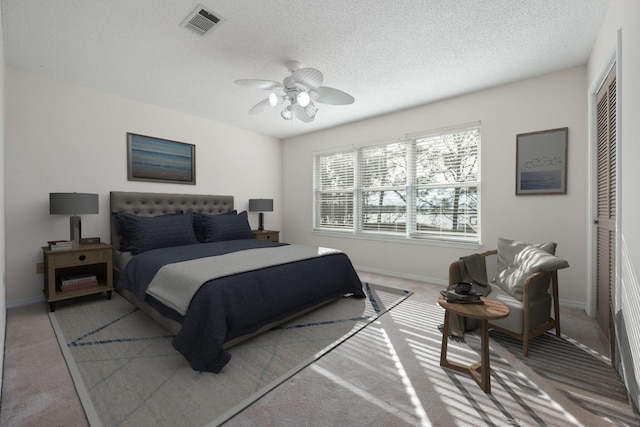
(82, 257)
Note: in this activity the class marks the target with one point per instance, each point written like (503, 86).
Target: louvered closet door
(606, 204)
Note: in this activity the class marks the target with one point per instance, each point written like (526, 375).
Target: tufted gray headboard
(151, 204)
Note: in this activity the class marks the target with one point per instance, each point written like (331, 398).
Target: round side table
(490, 310)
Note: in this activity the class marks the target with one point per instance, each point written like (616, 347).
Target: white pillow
(508, 249)
(529, 260)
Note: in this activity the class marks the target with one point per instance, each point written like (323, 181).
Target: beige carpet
(389, 375)
(128, 374)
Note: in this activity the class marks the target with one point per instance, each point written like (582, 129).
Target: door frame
(614, 61)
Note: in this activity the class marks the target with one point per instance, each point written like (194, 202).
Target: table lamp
(261, 205)
(73, 204)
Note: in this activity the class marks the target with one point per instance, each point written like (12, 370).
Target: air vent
(201, 20)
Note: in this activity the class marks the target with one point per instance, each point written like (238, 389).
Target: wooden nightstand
(93, 259)
(271, 235)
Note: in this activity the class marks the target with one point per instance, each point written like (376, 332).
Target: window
(334, 183)
(426, 186)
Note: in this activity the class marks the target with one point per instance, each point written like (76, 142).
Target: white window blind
(383, 188)
(426, 186)
(334, 190)
(446, 185)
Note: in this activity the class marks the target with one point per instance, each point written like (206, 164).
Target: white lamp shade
(287, 113)
(273, 99)
(303, 99)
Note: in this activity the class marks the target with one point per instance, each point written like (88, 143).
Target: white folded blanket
(175, 284)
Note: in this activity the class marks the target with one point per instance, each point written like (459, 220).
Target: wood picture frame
(541, 162)
(160, 160)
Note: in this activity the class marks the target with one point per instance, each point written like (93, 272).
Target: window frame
(410, 188)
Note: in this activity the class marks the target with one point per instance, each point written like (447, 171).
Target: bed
(191, 263)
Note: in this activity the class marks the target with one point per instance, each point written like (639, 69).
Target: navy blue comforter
(234, 306)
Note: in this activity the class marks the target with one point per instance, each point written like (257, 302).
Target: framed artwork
(160, 160)
(541, 162)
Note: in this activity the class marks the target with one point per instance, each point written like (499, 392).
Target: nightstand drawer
(79, 257)
(270, 235)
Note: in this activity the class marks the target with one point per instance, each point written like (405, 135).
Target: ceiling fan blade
(260, 107)
(305, 114)
(310, 77)
(259, 84)
(329, 95)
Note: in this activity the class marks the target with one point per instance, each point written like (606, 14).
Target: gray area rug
(128, 374)
(583, 376)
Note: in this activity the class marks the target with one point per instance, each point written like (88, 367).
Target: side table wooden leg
(445, 340)
(52, 306)
(485, 370)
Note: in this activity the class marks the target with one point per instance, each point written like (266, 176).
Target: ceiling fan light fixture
(311, 110)
(273, 99)
(287, 113)
(298, 92)
(303, 99)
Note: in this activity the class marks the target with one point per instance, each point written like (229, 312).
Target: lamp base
(75, 229)
(261, 221)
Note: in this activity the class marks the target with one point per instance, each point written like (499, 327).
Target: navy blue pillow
(200, 222)
(226, 227)
(142, 233)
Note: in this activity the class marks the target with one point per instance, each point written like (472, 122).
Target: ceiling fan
(298, 91)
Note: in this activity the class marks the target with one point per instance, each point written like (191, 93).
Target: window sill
(423, 241)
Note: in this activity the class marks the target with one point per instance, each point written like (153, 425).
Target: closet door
(606, 205)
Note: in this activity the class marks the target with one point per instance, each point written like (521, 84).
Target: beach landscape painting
(541, 162)
(160, 160)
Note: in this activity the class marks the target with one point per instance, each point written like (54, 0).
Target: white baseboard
(431, 280)
(435, 281)
(25, 301)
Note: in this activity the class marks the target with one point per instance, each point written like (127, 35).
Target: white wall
(66, 138)
(551, 101)
(3, 284)
(624, 16)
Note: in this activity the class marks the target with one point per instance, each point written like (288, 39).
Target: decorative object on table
(541, 162)
(160, 160)
(89, 240)
(73, 204)
(79, 281)
(59, 245)
(457, 296)
(298, 91)
(261, 205)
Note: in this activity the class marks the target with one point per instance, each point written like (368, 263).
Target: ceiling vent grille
(201, 20)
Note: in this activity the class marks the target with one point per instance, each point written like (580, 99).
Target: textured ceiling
(389, 54)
